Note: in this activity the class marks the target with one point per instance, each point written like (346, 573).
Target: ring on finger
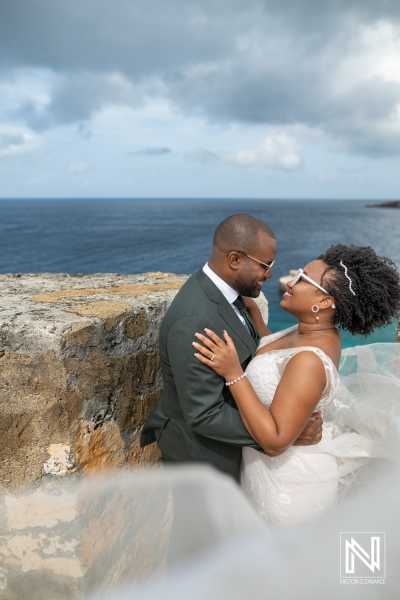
(212, 358)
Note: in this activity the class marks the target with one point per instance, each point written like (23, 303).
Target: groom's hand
(312, 432)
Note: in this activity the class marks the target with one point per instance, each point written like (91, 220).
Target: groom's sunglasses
(266, 266)
(301, 275)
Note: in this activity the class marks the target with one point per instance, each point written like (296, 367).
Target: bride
(295, 373)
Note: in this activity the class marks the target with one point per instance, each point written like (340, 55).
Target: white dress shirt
(225, 289)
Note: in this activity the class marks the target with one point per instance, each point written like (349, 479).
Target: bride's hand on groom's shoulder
(220, 355)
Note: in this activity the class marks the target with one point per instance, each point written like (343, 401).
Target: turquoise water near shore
(171, 235)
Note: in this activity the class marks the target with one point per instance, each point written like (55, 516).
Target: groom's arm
(200, 390)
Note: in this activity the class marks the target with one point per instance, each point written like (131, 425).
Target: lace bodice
(361, 423)
(302, 482)
(265, 370)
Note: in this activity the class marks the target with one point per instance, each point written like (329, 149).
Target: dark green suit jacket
(196, 418)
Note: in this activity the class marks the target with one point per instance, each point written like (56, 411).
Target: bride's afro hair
(373, 279)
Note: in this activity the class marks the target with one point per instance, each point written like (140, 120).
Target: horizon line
(194, 198)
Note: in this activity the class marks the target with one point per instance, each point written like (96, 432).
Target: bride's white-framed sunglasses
(301, 275)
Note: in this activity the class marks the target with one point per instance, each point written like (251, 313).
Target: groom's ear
(234, 260)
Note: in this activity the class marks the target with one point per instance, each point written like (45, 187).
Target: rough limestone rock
(79, 370)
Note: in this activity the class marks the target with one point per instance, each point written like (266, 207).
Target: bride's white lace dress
(360, 410)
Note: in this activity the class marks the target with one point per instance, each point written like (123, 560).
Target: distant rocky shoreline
(387, 204)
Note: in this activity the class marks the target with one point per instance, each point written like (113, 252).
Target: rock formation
(79, 370)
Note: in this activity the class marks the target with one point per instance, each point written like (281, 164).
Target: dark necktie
(240, 305)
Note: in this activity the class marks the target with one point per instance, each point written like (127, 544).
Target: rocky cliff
(79, 370)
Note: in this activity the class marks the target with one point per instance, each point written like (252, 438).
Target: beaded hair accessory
(348, 277)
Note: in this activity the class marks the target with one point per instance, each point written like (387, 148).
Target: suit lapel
(226, 311)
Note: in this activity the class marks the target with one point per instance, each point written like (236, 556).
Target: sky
(200, 99)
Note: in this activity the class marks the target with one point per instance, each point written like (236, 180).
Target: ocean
(140, 235)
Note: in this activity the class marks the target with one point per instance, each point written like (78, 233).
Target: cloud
(16, 141)
(341, 173)
(84, 131)
(138, 39)
(76, 97)
(11, 141)
(278, 151)
(78, 167)
(332, 67)
(152, 151)
(202, 155)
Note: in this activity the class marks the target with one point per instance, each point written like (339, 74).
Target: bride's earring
(315, 310)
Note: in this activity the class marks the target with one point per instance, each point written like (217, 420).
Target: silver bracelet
(228, 383)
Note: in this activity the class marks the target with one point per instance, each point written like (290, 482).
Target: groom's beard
(247, 285)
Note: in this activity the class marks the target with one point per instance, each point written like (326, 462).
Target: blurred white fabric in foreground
(109, 538)
(252, 563)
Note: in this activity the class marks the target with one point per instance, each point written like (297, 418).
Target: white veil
(121, 526)
(365, 417)
(232, 555)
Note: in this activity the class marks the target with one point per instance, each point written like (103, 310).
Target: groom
(196, 419)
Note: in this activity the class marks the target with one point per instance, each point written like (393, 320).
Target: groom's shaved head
(240, 242)
(240, 232)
